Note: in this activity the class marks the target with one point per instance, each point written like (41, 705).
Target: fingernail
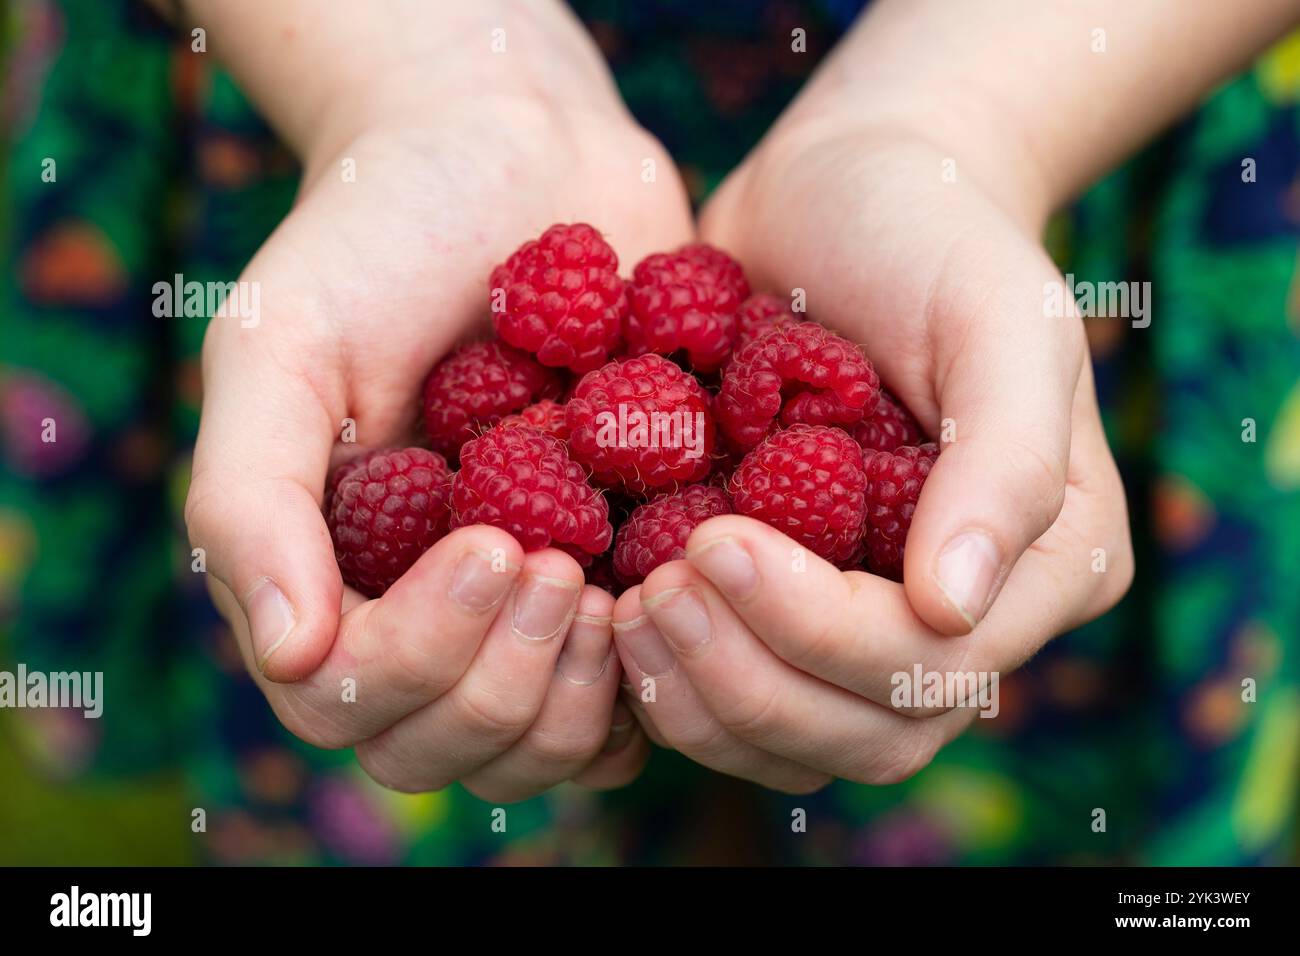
(642, 642)
(478, 586)
(966, 572)
(586, 651)
(727, 564)
(543, 606)
(682, 618)
(621, 723)
(270, 620)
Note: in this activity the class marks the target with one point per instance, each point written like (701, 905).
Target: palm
(383, 272)
(889, 254)
(900, 250)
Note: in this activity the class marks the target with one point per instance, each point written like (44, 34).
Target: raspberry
(656, 532)
(348, 468)
(686, 301)
(759, 313)
(807, 481)
(889, 426)
(641, 424)
(563, 298)
(801, 373)
(387, 510)
(476, 385)
(894, 481)
(522, 480)
(546, 416)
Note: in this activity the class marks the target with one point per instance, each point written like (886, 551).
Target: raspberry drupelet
(546, 415)
(478, 384)
(686, 302)
(387, 509)
(656, 532)
(888, 426)
(794, 374)
(894, 482)
(641, 425)
(760, 312)
(522, 480)
(560, 298)
(807, 481)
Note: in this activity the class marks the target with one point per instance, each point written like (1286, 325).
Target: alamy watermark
(133, 911)
(219, 300)
(1107, 300)
(77, 690)
(919, 688)
(630, 427)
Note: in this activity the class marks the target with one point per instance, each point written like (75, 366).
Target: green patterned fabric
(162, 167)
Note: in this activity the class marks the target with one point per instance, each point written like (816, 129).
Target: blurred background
(160, 166)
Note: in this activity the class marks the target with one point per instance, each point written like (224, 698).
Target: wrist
(964, 144)
(550, 78)
(323, 78)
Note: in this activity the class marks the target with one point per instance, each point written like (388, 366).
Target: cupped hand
(780, 670)
(481, 664)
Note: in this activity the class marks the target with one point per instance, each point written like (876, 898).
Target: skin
(459, 152)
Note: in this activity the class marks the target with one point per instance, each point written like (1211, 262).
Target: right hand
(364, 286)
(785, 677)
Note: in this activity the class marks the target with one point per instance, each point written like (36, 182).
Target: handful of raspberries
(610, 417)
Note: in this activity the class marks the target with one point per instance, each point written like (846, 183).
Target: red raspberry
(801, 373)
(686, 301)
(560, 297)
(347, 468)
(656, 532)
(641, 424)
(522, 480)
(889, 426)
(387, 510)
(760, 312)
(473, 387)
(807, 481)
(546, 416)
(894, 481)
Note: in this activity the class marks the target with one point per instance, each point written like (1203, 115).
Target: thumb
(1005, 402)
(253, 506)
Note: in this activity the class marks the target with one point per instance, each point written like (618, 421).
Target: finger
(574, 721)
(765, 702)
(863, 632)
(392, 656)
(1102, 527)
(254, 499)
(623, 755)
(681, 716)
(631, 697)
(500, 695)
(867, 639)
(1000, 481)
